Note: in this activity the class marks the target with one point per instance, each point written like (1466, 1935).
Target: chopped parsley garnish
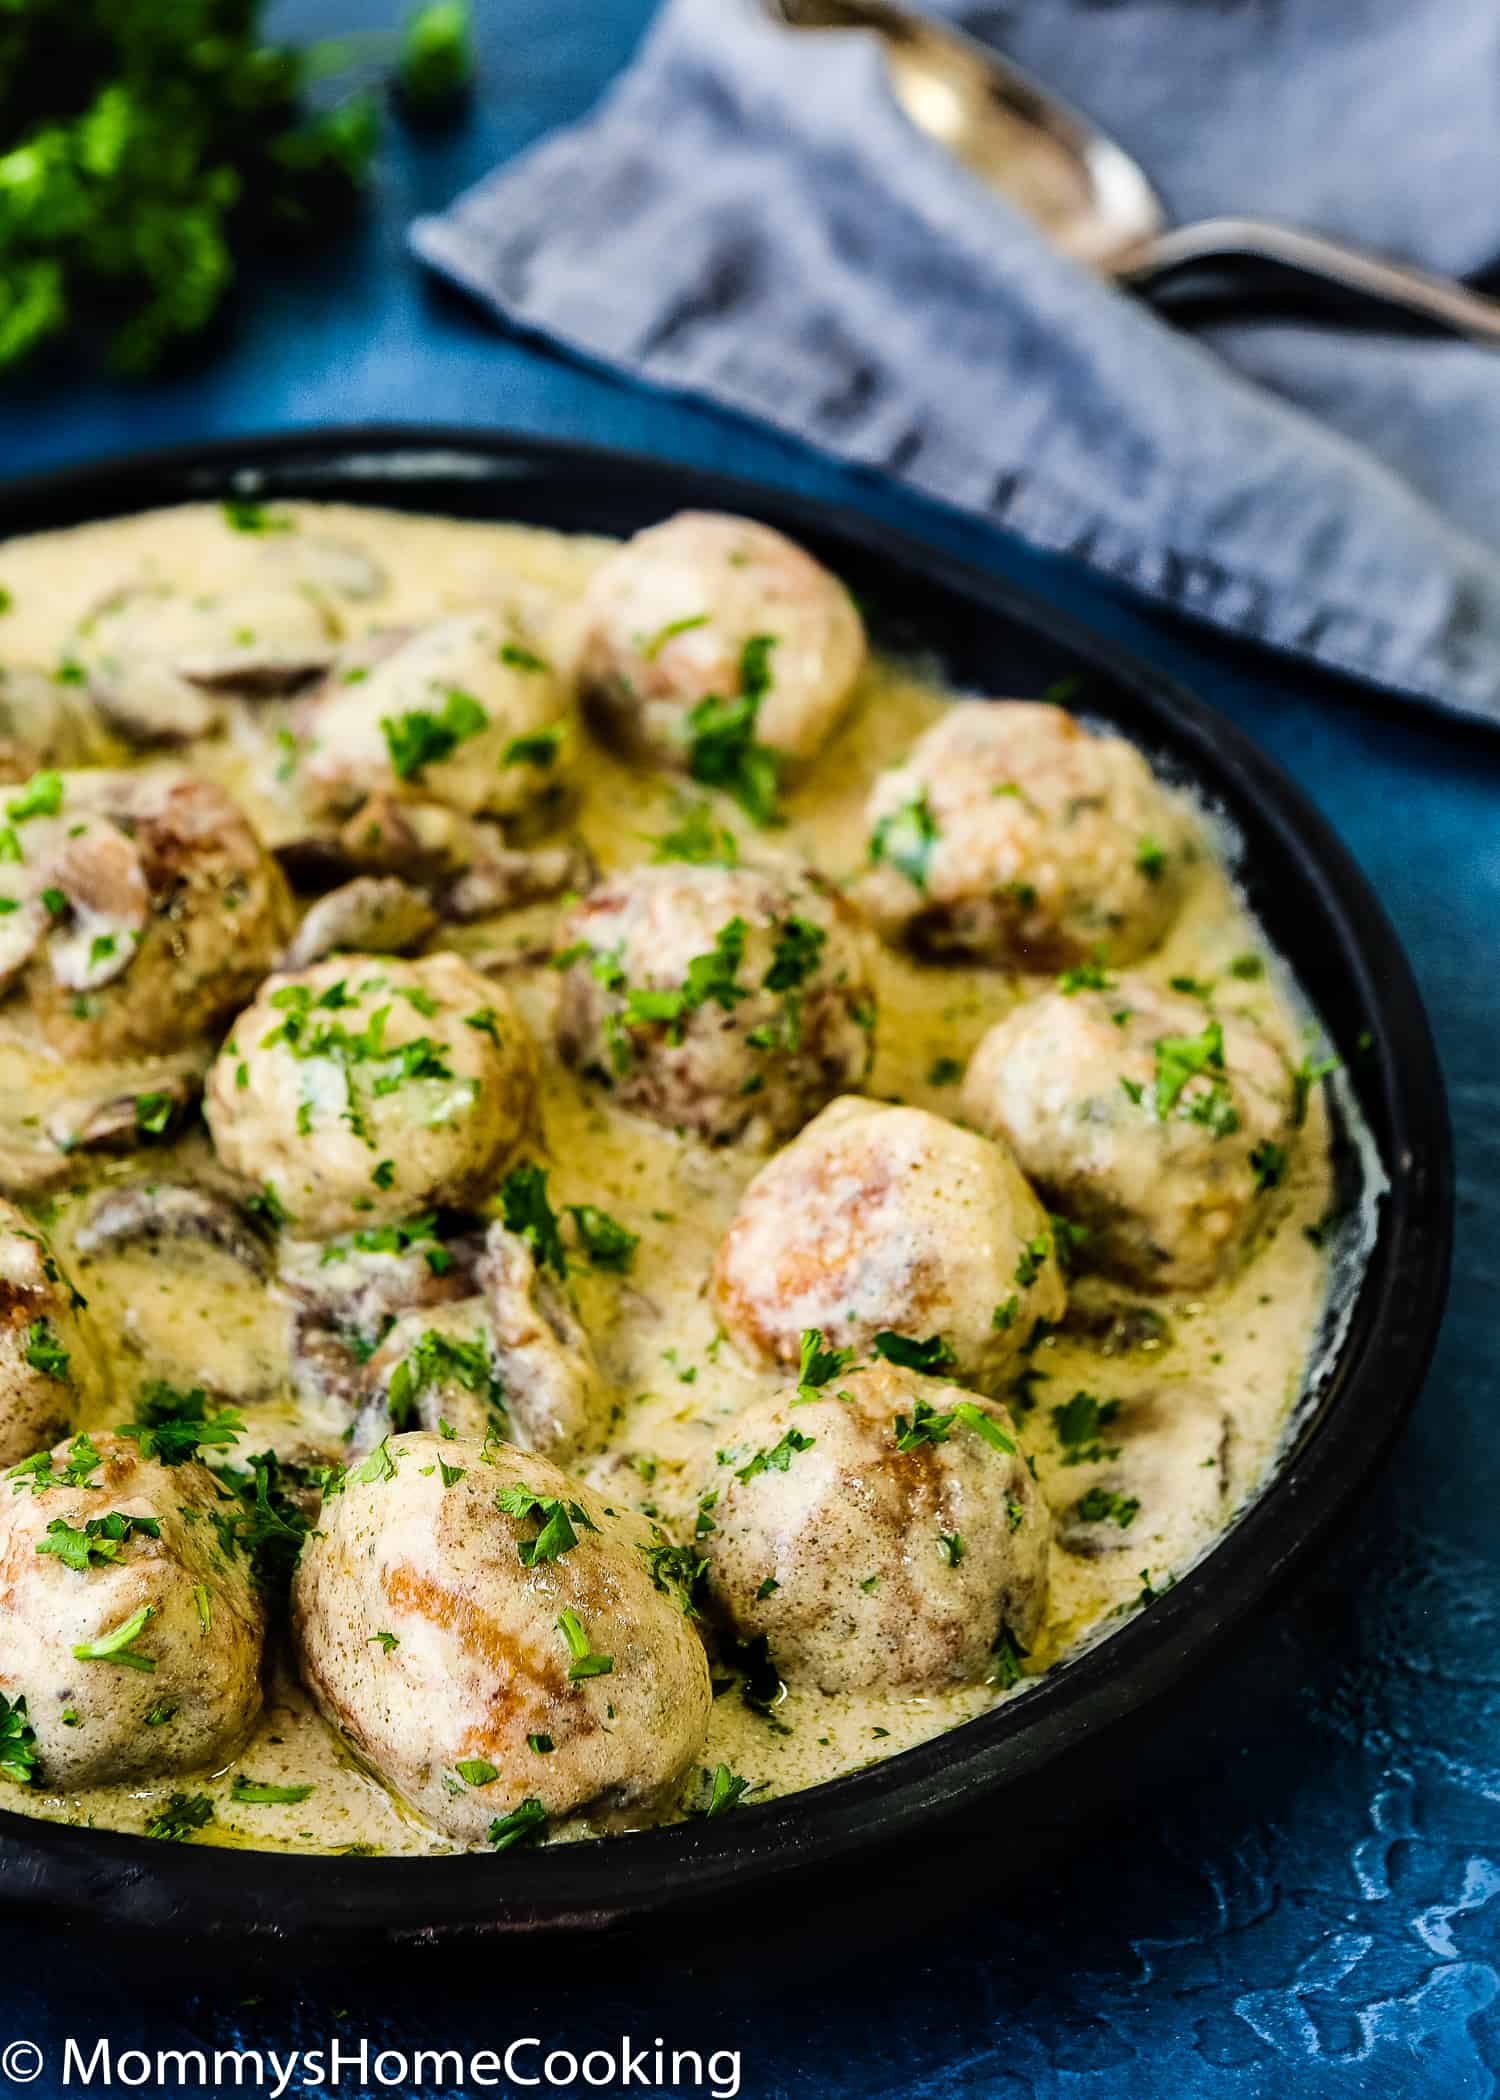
(726, 1791)
(240, 516)
(118, 1646)
(778, 1458)
(437, 1359)
(1086, 977)
(262, 1793)
(476, 1771)
(1150, 859)
(1194, 987)
(905, 839)
(556, 1520)
(45, 1353)
(419, 738)
(1078, 1423)
(539, 750)
(41, 797)
(36, 1472)
(722, 747)
(524, 1210)
(18, 1756)
(950, 1548)
(1247, 967)
(1181, 1059)
(677, 1571)
(380, 1465)
(799, 943)
(389, 1642)
(519, 659)
(606, 1242)
(927, 1425)
(650, 646)
(1003, 1318)
(153, 1114)
(263, 1519)
(399, 1238)
(932, 1355)
(1067, 1240)
(174, 1425)
(1100, 1506)
(818, 1363)
(183, 1814)
(97, 1542)
(585, 1663)
(768, 1588)
(523, 1826)
(945, 1071)
(1305, 1078)
(540, 1745)
(1268, 1165)
(1006, 1659)
(699, 839)
(1029, 1265)
(268, 1208)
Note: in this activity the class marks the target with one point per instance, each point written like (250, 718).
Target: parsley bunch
(146, 144)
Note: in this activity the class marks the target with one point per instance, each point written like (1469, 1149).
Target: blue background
(1305, 1893)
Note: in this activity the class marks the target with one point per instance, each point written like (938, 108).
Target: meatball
(458, 712)
(133, 1634)
(144, 909)
(716, 606)
(487, 1633)
(889, 1219)
(1013, 835)
(882, 1534)
(1144, 1119)
(370, 1088)
(713, 999)
(155, 659)
(49, 1356)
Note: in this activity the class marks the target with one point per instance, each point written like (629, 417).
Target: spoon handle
(1350, 276)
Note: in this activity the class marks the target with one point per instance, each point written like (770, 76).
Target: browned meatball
(145, 909)
(882, 1531)
(154, 1581)
(717, 999)
(477, 1666)
(706, 606)
(1143, 1118)
(1015, 836)
(880, 1218)
(369, 1088)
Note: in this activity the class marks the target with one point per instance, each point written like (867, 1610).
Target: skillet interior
(1317, 910)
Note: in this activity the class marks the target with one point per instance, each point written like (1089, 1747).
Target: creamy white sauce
(196, 1319)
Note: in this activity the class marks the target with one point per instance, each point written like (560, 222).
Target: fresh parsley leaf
(779, 1456)
(19, 1762)
(905, 838)
(585, 1663)
(183, 1814)
(525, 1825)
(1102, 1506)
(1268, 1165)
(419, 738)
(118, 1645)
(262, 1793)
(818, 1363)
(606, 1243)
(525, 1210)
(726, 1791)
(45, 1353)
(97, 1542)
(932, 1355)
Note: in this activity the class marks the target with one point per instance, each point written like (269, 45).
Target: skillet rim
(1366, 1396)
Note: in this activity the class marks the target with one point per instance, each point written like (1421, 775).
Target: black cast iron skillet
(1319, 912)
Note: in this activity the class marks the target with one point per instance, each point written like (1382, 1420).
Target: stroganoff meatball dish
(611, 1204)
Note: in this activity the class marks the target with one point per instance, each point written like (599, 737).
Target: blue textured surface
(1306, 1898)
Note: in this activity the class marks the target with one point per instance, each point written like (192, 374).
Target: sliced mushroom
(29, 1169)
(374, 914)
(122, 1122)
(171, 1210)
(152, 655)
(42, 723)
(420, 840)
(555, 1395)
(344, 1299)
(1164, 1493)
(97, 872)
(505, 878)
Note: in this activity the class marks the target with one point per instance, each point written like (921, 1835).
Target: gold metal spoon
(1093, 201)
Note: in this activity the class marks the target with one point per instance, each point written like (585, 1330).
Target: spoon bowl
(1096, 204)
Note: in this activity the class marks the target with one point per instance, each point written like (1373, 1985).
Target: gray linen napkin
(748, 216)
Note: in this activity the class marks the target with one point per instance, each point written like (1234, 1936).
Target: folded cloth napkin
(749, 216)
